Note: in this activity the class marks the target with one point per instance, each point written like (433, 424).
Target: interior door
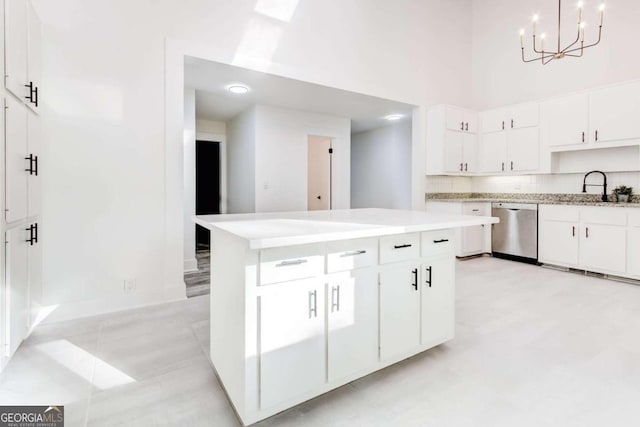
(566, 120)
(438, 301)
(319, 153)
(399, 309)
(17, 287)
(352, 304)
(493, 151)
(15, 163)
(292, 340)
(207, 185)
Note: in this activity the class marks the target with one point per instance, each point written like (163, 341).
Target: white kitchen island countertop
(276, 229)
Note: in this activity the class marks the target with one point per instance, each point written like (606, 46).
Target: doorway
(319, 173)
(207, 186)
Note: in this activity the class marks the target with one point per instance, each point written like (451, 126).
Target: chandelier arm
(575, 56)
(572, 44)
(548, 60)
(582, 47)
(535, 59)
(534, 46)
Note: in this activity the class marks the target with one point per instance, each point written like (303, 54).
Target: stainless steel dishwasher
(516, 235)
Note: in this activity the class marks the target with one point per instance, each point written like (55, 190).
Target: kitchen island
(304, 302)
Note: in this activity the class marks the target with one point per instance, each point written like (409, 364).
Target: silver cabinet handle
(291, 262)
(352, 253)
(335, 298)
(313, 304)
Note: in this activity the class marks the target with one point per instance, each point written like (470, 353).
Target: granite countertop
(541, 199)
(267, 230)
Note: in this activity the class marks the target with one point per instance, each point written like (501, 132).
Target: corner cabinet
(290, 323)
(452, 142)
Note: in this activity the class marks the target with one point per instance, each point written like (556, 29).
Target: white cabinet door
(523, 150)
(559, 242)
(454, 118)
(470, 152)
(35, 274)
(453, 149)
(399, 309)
(493, 151)
(471, 122)
(493, 120)
(438, 300)
(524, 115)
(566, 120)
(633, 257)
(16, 75)
(613, 113)
(17, 287)
(352, 312)
(477, 239)
(34, 53)
(603, 248)
(34, 178)
(15, 163)
(292, 340)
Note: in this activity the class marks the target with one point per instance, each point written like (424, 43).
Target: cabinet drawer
(291, 263)
(634, 218)
(401, 247)
(345, 255)
(559, 213)
(604, 216)
(477, 209)
(437, 242)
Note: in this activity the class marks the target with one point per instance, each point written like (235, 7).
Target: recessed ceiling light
(393, 117)
(239, 89)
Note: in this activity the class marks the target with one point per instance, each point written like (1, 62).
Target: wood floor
(534, 347)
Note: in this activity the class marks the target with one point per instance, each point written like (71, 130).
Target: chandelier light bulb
(535, 18)
(543, 36)
(580, 4)
(522, 31)
(602, 7)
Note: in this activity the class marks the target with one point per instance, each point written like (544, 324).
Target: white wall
(113, 197)
(500, 77)
(281, 157)
(190, 262)
(381, 168)
(241, 160)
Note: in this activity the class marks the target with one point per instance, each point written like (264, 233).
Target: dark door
(207, 185)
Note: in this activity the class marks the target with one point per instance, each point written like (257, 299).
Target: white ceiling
(215, 102)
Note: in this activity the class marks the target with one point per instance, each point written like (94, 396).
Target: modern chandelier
(575, 49)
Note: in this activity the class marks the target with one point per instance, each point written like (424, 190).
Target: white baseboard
(190, 265)
(111, 304)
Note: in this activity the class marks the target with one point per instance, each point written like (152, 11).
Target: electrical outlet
(129, 285)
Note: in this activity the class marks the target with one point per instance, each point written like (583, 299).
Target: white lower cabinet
(633, 256)
(603, 248)
(558, 242)
(599, 239)
(399, 309)
(438, 300)
(469, 241)
(292, 340)
(352, 314)
(17, 288)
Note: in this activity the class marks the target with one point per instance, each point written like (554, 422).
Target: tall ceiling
(214, 101)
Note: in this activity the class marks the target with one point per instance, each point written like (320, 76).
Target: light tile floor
(534, 347)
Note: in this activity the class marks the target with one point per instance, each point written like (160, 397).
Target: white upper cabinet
(614, 112)
(493, 152)
(566, 120)
(16, 36)
(523, 150)
(452, 145)
(22, 51)
(512, 117)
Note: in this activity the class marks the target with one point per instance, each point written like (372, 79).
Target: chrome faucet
(604, 185)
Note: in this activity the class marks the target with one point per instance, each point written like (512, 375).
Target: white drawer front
(345, 255)
(477, 209)
(291, 263)
(437, 242)
(400, 247)
(559, 213)
(604, 216)
(634, 217)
